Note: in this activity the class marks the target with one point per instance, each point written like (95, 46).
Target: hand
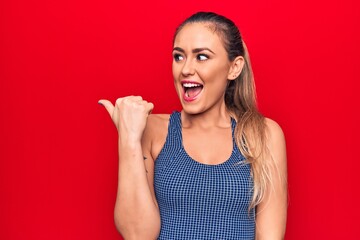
(129, 116)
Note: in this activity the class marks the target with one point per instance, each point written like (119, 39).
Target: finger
(135, 98)
(132, 97)
(149, 107)
(108, 106)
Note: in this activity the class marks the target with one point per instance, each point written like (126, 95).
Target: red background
(58, 147)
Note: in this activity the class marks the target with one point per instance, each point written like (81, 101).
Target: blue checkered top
(200, 201)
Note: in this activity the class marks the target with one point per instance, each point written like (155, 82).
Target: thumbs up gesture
(129, 115)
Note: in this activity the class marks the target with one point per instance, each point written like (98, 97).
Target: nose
(188, 68)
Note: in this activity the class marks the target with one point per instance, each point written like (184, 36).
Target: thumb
(108, 106)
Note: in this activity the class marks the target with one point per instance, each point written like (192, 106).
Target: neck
(214, 117)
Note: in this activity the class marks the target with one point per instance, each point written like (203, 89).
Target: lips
(191, 89)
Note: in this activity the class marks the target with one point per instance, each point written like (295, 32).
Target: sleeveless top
(201, 201)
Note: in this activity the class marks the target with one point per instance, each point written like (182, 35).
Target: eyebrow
(195, 50)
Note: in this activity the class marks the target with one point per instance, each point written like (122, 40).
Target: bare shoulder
(155, 133)
(157, 122)
(275, 140)
(274, 130)
(159, 117)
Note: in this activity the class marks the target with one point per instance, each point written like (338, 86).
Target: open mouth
(191, 90)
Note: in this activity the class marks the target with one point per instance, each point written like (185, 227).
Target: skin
(198, 56)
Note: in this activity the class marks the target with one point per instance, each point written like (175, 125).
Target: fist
(129, 115)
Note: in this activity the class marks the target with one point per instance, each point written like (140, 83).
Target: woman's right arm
(136, 212)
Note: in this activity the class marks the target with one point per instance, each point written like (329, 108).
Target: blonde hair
(250, 132)
(240, 100)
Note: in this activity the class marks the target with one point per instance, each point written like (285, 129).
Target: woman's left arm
(271, 213)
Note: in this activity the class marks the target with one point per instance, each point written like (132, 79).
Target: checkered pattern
(199, 201)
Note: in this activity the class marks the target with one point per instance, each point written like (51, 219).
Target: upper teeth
(191, 85)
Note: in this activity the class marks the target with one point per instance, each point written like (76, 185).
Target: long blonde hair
(240, 100)
(250, 132)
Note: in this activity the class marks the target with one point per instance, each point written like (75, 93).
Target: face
(200, 68)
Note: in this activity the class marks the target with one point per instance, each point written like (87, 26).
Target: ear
(236, 67)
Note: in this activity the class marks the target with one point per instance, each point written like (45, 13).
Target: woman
(215, 170)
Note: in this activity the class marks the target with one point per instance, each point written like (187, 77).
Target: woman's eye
(178, 57)
(202, 57)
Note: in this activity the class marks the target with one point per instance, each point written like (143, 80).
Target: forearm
(136, 214)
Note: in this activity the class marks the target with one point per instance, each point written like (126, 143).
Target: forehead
(198, 35)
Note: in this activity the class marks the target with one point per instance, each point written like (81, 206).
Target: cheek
(175, 69)
(175, 73)
(215, 75)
